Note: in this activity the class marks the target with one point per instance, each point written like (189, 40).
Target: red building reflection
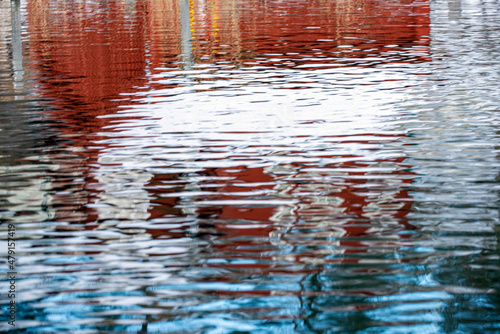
(87, 56)
(306, 32)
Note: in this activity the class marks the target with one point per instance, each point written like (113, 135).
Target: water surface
(229, 166)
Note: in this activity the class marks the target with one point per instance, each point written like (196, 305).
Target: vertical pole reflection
(454, 9)
(186, 47)
(17, 46)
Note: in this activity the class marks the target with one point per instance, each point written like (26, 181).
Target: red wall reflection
(277, 31)
(86, 55)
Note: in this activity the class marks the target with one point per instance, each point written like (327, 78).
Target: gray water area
(231, 166)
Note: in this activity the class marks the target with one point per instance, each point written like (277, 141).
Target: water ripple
(240, 166)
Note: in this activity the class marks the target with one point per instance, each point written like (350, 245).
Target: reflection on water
(229, 166)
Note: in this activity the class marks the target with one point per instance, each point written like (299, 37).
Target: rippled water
(230, 166)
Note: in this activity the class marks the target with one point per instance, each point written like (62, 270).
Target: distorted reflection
(224, 166)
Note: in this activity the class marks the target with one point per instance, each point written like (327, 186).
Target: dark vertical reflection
(23, 128)
(184, 18)
(17, 52)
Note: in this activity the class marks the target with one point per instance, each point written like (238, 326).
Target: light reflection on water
(244, 166)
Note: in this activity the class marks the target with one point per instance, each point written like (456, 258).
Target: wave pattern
(220, 166)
